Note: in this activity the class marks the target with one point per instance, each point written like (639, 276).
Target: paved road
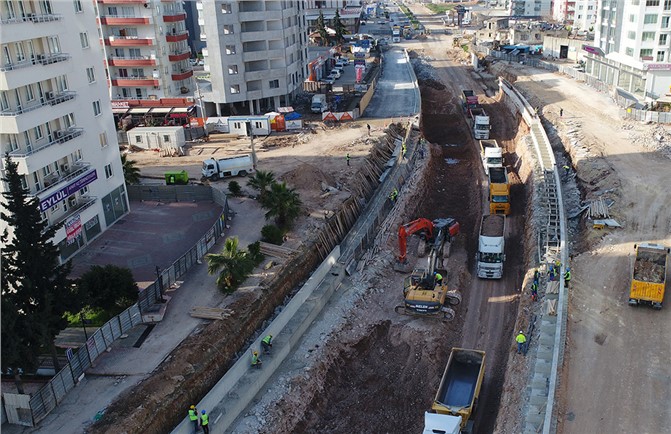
(397, 93)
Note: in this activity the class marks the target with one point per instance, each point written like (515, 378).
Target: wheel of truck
(448, 314)
(421, 248)
(657, 306)
(214, 177)
(242, 173)
(454, 298)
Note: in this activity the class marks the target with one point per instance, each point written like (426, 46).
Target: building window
(665, 22)
(30, 94)
(226, 8)
(138, 139)
(166, 138)
(646, 52)
(38, 132)
(632, 18)
(650, 19)
(631, 35)
(662, 40)
(108, 171)
(96, 108)
(629, 52)
(91, 75)
(652, 2)
(20, 54)
(232, 69)
(84, 39)
(230, 49)
(667, 5)
(228, 29)
(660, 56)
(78, 6)
(635, 2)
(102, 138)
(274, 84)
(235, 88)
(648, 36)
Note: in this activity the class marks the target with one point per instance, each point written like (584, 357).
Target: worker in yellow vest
(521, 340)
(193, 417)
(266, 344)
(205, 422)
(256, 362)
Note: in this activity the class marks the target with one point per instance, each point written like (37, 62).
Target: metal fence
(53, 393)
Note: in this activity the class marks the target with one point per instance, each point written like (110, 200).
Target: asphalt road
(397, 93)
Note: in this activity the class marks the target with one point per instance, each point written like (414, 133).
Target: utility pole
(199, 97)
(159, 279)
(251, 137)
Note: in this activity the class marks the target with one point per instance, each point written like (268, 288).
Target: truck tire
(214, 177)
(242, 173)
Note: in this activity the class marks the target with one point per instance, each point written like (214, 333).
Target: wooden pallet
(276, 251)
(210, 312)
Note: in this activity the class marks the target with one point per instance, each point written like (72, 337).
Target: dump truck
(479, 122)
(460, 387)
(469, 99)
(491, 247)
(491, 154)
(649, 275)
(499, 191)
(176, 178)
(241, 165)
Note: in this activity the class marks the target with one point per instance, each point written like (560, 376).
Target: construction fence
(19, 409)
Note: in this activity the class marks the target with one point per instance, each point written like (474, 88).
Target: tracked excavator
(422, 294)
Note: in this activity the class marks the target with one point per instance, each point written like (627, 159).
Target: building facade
(256, 54)
(56, 119)
(530, 9)
(579, 14)
(146, 48)
(350, 12)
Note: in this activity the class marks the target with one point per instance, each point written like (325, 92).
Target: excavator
(422, 294)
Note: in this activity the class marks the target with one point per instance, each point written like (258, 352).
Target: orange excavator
(423, 294)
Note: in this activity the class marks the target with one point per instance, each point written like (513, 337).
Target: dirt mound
(307, 177)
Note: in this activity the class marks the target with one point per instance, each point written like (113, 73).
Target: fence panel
(62, 383)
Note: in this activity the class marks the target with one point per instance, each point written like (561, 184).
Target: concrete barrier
(237, 388)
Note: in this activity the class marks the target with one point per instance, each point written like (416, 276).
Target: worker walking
(193, 417)
(438, 278)
(521, 341)
(403, 149)
(256, 362)
(393, 195)
(561, 112)
(266, 344)
(567, 277)
(537, 276)
(347, 158)
(534, 291)
(205, 422)
(368, 126)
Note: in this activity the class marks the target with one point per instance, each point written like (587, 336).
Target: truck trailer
(459, 388)
(491, 154)
(479, 121)
(241, 165)
(649, 275)
(491, 247)
(469, 99)
(499, 191)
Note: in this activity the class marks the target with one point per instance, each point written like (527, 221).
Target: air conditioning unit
(49, 95)
(64, 168)
(59, 134)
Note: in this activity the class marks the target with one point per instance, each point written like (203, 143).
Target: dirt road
(615, 376)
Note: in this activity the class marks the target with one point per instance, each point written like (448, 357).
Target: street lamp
(81, 317)
(159, 279)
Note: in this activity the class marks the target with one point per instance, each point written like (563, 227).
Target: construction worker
(347, 158)
(534, 291)
(438, 278)
(205, 421)
(521, 340)
(193, 417)
(266, 344)
(368, 126)
(537, 276)
(403, 149)
(567, 277)
(256, 362)
(393, 195)
(567, 170)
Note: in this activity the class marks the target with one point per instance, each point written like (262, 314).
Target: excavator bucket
(402, 267)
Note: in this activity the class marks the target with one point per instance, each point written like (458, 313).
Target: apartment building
(350, 12)
(632, 47)
(530, 8)
(579, 14)
(256, 54)
(146, 48)
(56, 118)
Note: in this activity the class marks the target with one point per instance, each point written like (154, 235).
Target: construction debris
(276, 251)
(210, 312)
(598, 209)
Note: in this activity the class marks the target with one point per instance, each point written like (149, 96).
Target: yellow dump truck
(649, 275)
(459, 390)
(499, 191)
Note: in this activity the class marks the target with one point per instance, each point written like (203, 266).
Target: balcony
(128, 41)
(182, 75)
(51, 99)
(67, 175)
(131, 61)
(177, 36)
(180, 55)
(80, 205)
(62, 136)
(44, 18)
(173, 17)
(134, 81)
(122, 2)
(120, 20)
(39, 59)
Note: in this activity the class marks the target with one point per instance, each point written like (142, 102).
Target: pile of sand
(307, 177)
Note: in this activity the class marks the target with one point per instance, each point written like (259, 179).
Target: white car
(335, 74)
(343, 61)
(328, 80)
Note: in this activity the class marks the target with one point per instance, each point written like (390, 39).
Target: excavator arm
(421, 224)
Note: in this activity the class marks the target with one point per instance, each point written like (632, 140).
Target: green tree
(321, 28)
(36, 291)
(110, 288)
(131, 173)
(283, 204)
(232, 264)
(235, 189)
(261, 181)
(339, 27)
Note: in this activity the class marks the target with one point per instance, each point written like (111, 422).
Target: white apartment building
(541, 9)
(633, 46)
(579, 14)
(256, 53)
(56, 119)
(146, 48)
(350, 12)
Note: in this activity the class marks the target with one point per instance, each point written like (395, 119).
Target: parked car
(338, 69)
(201, 62)
(335, 74)
(343, 61)
(328, 80)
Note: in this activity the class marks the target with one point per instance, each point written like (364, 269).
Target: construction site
(363, 366)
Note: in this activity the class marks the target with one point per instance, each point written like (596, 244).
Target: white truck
(241, 165)
(479, 122)
(319, 104)
(441, 423)
(491, 247)
(491, 154)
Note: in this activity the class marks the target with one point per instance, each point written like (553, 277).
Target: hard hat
(568, 269)
(435, 272)
(521, 332)
(202, 412)
(192, 407)
(256, 353)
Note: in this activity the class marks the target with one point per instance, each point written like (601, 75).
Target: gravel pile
(657, 138)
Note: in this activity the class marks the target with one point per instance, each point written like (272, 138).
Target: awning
(139, 110)
(180, 110)
(119, 110)
(161, 110)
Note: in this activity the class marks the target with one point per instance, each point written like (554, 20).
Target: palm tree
(233, 263)
(261, 181)
(283, 203)
(131, 174)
